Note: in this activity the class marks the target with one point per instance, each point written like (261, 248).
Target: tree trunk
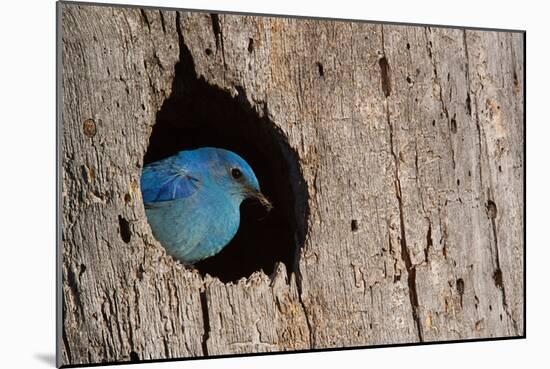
(409, 141)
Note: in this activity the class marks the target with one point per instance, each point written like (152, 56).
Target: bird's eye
(236, 173)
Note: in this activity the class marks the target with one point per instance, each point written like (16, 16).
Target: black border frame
(58, 184)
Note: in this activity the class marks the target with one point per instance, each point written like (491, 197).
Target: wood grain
(410, 141)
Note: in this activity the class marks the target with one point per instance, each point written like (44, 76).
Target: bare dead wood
(410, 140)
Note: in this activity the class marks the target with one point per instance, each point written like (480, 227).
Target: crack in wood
(385, 75)
(298, 275)
(145, 19)
(405, 255)
(442, 101)
(467, 72)
(66, 345)
(497, 275)
(385, 78)
(429, 241)
(206, 322)
(218, 35)
(480, 144)
(72, 283)
(162, 21)
(411, 269)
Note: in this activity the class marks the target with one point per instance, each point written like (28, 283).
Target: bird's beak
(262, 199)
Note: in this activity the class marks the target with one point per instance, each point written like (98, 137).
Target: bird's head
(237, 177)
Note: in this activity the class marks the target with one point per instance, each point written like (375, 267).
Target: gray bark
(413, 134)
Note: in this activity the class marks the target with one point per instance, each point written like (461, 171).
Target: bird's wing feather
(164, 181)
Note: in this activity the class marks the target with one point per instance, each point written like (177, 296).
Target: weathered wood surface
(410, 140)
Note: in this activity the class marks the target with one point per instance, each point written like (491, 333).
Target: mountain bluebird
(192, 200)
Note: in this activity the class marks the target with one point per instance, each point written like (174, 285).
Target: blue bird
(192, 200)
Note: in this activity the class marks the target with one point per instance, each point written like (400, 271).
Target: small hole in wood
(124, 228)
(460, 286)
(453, 125)
(354, 225)
(385, 75)
(320, 69)
(497, 278)
(82, 270)
(491, 209)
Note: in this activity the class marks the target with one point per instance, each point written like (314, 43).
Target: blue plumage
(192, 200)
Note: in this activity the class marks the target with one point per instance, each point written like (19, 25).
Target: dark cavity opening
(124, 227)
(385, 75)
(320, 69)
(198, 114)
(134, 356)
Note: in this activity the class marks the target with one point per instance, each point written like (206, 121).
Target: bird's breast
(197, 227)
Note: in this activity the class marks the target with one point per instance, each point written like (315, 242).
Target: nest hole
(198, 114)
